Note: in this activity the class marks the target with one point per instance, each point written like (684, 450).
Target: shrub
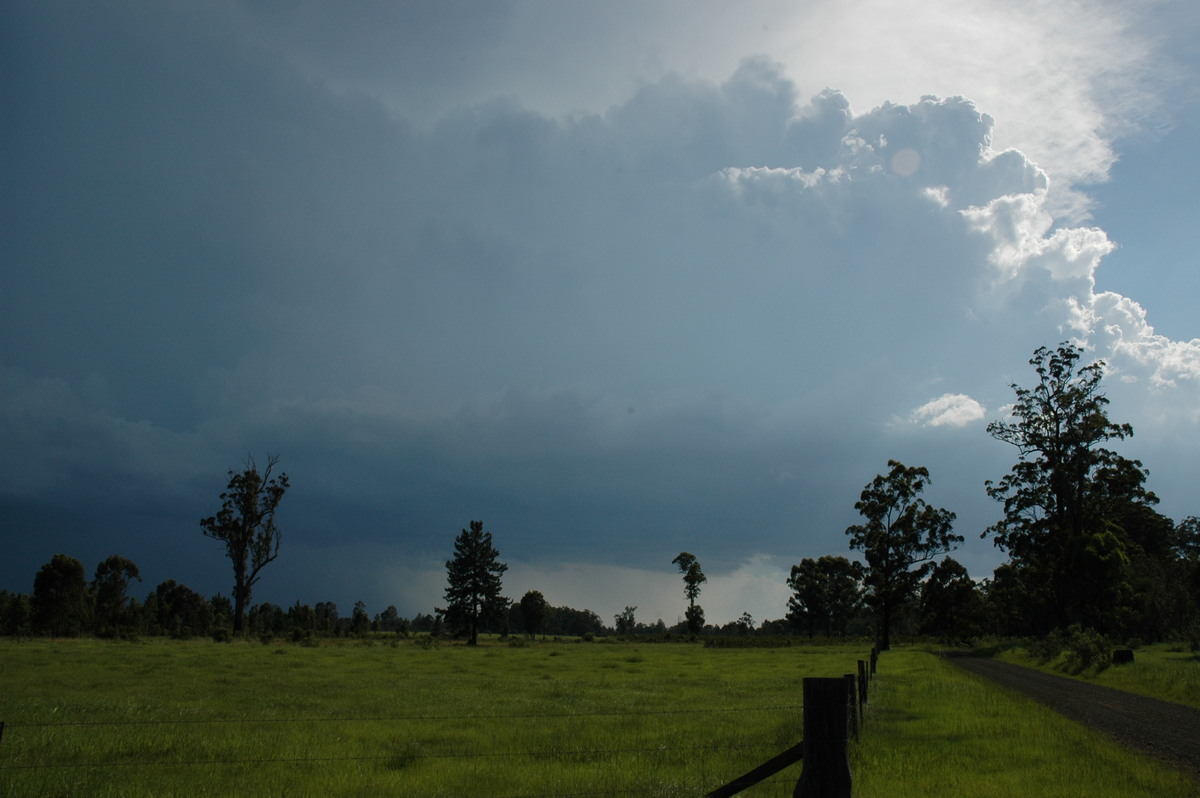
(1087, 648)
(1048, 647)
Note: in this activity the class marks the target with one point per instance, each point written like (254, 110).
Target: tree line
(1087, 550)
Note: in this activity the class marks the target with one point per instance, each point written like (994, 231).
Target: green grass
(169, 718)
(934, 730)
(1160, 671)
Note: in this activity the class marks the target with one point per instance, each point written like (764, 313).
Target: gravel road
(1169, 732)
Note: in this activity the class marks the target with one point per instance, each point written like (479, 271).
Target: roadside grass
(934, 730)
(1166, 671)
(195, 718)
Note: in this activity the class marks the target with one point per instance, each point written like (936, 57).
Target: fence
(833, 714)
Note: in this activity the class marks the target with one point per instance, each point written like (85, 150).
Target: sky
(619, 279)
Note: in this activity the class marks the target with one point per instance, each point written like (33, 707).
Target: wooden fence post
(862, 684)
(852, 704)
(826, 771)
(874, 657)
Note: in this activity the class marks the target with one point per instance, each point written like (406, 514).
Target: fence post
(874, 657)
(862, 684)
(826, 771)
(852, 704)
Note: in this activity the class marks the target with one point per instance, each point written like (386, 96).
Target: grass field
(195, 718)
(936, 731)
(170, 718)
(1169, 672)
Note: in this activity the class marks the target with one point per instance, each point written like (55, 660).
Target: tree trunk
(885, 627)
(239, 609)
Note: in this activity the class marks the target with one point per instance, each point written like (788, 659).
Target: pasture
(171, 718)
(174, 718)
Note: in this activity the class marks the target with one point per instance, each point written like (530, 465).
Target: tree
(360, 622)
(473, 577)
(573, 622)
(624, 621)
(325, 617)
(246, 525)
(1068, 500)
(901, 537)
(390, 621)
(110, 587)
(1187, 549)
(222, 616)
(61, 602)
(693, 577)
(534, 610)
(825, 594)
(951, 606)
(179, 611)
(16, 614)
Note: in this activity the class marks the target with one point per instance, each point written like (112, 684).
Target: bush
(222, 635)
(1087, 648)
(1048, 647)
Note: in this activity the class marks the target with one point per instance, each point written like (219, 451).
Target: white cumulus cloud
(949, 410)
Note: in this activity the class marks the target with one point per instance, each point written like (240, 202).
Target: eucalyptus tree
(110, 588)
(951, 604)
(246, 525)
(62, 603)
(900, 538)
(825, 594)
(693, 577)
(1073, 508)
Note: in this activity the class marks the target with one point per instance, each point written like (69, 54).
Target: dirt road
(1169, 732)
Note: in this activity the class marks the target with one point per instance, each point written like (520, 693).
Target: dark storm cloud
(701, 318)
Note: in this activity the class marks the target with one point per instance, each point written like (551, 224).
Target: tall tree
(825, 594)
(1065, 498)
(473, 577)
(902, 535)
(693, 577)
(246, 525)
(62, 604)
(110, 588)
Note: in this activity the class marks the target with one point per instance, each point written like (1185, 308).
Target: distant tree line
(1087, 553)
(65, 603)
